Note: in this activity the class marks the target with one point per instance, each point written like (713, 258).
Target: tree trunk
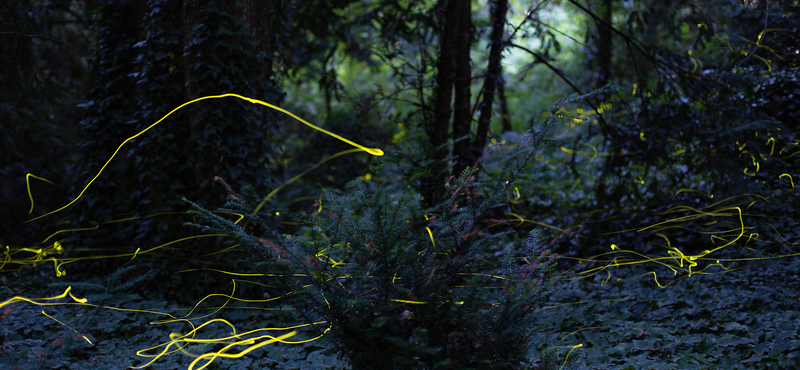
(264, 21)
(602, 75)
(462, 114)
(501, 89)
(493, 73)
(602, 68)
(443, 95)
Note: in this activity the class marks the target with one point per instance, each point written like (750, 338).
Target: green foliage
(30, 340)
(692, 122)
(399, 290)
(740, 319)
(396, 284)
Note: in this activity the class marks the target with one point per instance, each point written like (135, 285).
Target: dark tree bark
(195, 48)
(443, 95)
(263, 19)
(110, 108)
(109, 111)
(506, 116)
(453, 71)
(191, 17)
(462, 114)
(493, 73)
(602, 75)
(602, 68)
(203, 56)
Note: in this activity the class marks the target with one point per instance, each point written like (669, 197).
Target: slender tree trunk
(462, 113)
(602, 69)
(602, 75)
(501, 90)
(493, 73)
(438, 129)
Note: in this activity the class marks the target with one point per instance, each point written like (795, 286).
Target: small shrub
(397, 286)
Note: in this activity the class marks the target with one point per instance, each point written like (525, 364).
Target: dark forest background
(668, 114)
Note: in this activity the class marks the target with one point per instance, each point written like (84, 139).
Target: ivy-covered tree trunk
(169, 53)
(211, 50)
(265, 20)
(110, 111)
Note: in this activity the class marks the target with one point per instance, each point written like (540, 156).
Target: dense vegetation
(410, 185)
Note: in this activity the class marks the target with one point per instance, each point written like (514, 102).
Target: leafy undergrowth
(742, 319)
(32, 341)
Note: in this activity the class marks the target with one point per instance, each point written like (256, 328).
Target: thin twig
(758, 40)
(32, 36)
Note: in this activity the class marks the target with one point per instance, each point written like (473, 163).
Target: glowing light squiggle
(373, 151)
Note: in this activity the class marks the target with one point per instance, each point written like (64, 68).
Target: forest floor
(738, 319)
